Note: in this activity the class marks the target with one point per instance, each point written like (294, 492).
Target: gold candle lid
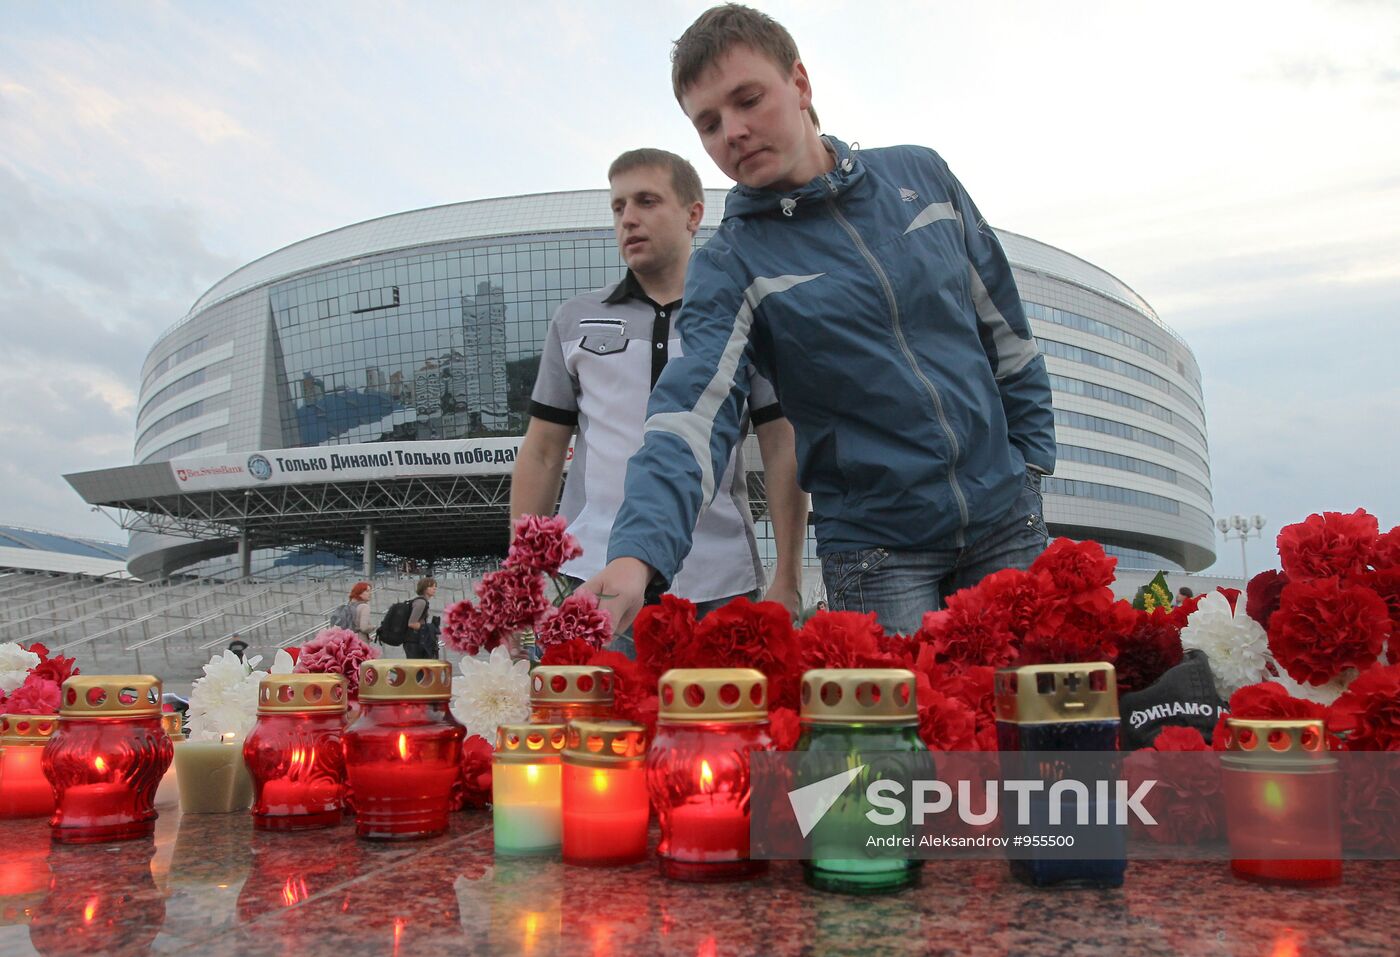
(571, 684)
(173, 723)
(405, 679)
(737, 695)
(1055, 694)
(528, 743)
(1276, 739)
(604, 743)
(292, 694)
(859, 696)
(111, 696)
(18, 729)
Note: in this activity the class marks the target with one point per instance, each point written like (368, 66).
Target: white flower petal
(1236, 645)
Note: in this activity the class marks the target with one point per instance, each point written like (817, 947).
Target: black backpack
(393, 630)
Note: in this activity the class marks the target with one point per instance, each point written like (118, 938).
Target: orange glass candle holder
(402, 754)
(106, 757)
(294, 752)
(710, 721)
(563, 693)
(24, 791)
(606, 807)
(1282, 802)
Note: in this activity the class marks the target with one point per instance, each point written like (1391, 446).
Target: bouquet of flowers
(30, 678)
(337, 651)
(224, 702)
(511, 602)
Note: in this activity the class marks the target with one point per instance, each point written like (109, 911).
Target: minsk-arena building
(368, 388)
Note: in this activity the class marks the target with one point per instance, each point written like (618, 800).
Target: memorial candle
(563, 693)
(106, 758)
(1281, 801)
(710, 721)
(402, 754)
(24, 791)
(606, 807)
(526, 789)
(294, 752)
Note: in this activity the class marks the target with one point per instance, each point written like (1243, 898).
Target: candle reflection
(112, 909)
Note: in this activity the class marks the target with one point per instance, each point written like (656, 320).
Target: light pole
(1241, 528)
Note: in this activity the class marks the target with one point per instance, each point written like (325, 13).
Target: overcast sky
(1238, 164)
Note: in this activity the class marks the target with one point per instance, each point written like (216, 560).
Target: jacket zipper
(908, 355)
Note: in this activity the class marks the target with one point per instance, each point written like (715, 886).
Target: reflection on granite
(210, 884)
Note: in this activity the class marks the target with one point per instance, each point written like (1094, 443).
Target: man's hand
(621, 589)
(786, 594)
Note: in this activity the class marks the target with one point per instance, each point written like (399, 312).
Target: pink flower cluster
(512, 599)
(40, 692)
(336, 651)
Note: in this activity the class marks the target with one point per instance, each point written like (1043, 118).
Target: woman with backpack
(355, 614)
(421, 642)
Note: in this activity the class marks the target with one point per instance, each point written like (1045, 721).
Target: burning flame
(707, 777)
(90, 911)
(532, 773)
(600, 781)
(100, 764)
(403, 746)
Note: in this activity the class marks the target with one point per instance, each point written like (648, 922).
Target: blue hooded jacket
(881, 306)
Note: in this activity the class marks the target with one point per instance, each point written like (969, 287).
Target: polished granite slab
(210, 885)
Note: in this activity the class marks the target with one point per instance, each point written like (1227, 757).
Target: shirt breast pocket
(604, 343)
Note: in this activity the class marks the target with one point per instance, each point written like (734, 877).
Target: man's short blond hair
(684, 180)
(719, 29)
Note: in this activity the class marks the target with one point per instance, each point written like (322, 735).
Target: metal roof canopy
(414, 517)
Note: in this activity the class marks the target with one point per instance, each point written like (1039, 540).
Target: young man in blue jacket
(868, 289)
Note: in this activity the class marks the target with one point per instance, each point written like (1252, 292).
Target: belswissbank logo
(1110, 802)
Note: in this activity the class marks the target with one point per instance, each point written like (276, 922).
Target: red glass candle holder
(24, 791)
(563, 693)
(106, 757)
(402, 753)
(1282, 805)
(294, 752)
(606, 808)
(710, 721)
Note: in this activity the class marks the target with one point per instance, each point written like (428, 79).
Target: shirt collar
(630, 288)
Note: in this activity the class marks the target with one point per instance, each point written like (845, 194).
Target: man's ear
(803, 83)
(693, 218)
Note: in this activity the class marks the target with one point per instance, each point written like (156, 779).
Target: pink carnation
(38, 695)
(577, 617)
(465, 629)
(336, 651)
(542, 544)
(512, 599)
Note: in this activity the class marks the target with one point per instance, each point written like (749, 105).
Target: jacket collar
(744, 201)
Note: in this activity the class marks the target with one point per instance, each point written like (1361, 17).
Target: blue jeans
(900, 586)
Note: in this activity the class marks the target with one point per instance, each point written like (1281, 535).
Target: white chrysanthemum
(225, 701)
(1323, 694)
(491, 692)
(1236, 645)
(282, 663)
(15, 663)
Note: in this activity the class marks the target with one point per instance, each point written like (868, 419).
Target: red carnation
(1263, 594)
(542, 544)
(37, 695)
(1386, 584)
(634, 690)
(1328, 545)
(575, 651)
(1016, 594)
(661, 631)
(1186, 799)
(838, 639)
(475, 777)
(971, 631)
(745, 634)
(1076, 566)
(57, 669)
(1148, 650)
(1078, 628)
(577, 617)
(39, 649)
(1232, 595)
(945, 723)
(1265, 701)
(512, 599)
(1386, 552)
(785, 728)
(1368, 712)
(1323, 627)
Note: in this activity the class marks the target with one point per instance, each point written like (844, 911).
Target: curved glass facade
(428, 325)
